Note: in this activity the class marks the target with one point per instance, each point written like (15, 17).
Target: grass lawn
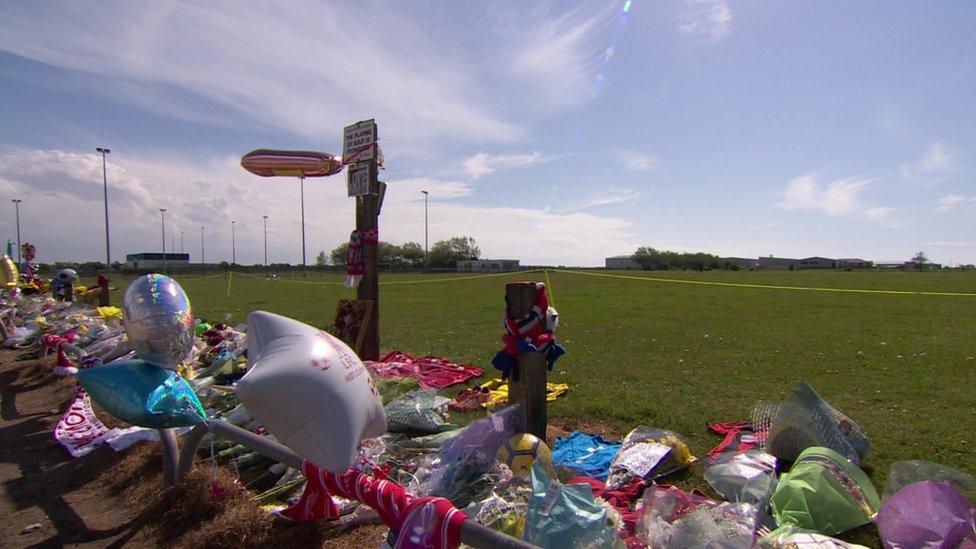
(679, 356)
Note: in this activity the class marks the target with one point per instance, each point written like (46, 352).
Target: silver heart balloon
(158, 320)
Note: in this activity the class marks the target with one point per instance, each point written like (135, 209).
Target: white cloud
(609, 196)
(950, 201)
(637, 161)
(311, 67)
(837, 198)
(879, 213)
(931, 167)
(709, 19)
(558, 55)
(483, 164)
(62, 209)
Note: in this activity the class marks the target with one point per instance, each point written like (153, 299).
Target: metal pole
(302, 187)
(266, 244)
(162, 214)
(17, 202)
(181, 241)
(172, 243)
(108, 253)
(202, 257)
(426, 262)
(233, 244)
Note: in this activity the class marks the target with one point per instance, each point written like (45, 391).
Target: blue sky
(556, 133)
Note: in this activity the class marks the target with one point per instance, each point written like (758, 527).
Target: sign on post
(358, 142)
(359, 179)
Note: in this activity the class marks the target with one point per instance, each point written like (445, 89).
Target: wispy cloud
(839, 197)
(931, 167)
(709, 19)
(483, 164)
(950, 201)
(557, 55)
(609, 196)
(637, 161)
(879, 213)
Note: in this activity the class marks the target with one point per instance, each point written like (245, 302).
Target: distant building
(817, 262)
(854, 263)
(744, 263)
(154, 260)
(776, 263)
(487, 265)
(623, 262)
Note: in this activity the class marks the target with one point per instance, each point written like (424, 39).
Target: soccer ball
(520, 451)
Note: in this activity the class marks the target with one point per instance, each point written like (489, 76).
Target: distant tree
(446, 253)
(339, 254)
(663, 260)
(320, 259)
(412, 254)
(919, 260)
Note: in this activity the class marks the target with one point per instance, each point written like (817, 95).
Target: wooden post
(103, 295)
(367, 217)
(527, 383)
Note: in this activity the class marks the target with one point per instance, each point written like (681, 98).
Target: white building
(487, 265)
(154, 260)
(623, 262)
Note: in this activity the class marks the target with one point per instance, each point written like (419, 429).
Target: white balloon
(310, 390)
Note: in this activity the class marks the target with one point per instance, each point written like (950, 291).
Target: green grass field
(679, 356)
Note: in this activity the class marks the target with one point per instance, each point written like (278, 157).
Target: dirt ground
(114, 499)
(109, 499)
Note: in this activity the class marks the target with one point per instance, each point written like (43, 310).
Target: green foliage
(446, 253)
(408, 255)
(663, 260)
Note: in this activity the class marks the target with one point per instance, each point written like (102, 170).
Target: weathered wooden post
(104, 299)
(360, 151)
(527, 382)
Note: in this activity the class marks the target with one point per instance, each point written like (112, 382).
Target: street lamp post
(17, 202)
(181, 241)
(233, 244)
(108, 253)
(162, 217)
(266, 245)
(426, 261)
(202, 256)
(302, 187)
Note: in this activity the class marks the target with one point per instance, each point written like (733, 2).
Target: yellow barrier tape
(552, 295)
(396, 282)
(767, 286)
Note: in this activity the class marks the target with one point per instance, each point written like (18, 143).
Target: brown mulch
(109, 499)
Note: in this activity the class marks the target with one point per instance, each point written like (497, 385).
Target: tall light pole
(181, 241)
(426, 263)
(162, 217)
(302, 187)
(17, 202)
(266, 243)
(202, 256)
(108, 253)
(172, 243)
(233, 244)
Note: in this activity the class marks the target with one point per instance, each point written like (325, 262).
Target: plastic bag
(748, 477)
(791, 537)
(142, 394)
(904, 473)
(565, 516)
(824, 492)
(649, 453)
(805, 420)
(726, 526)
(927, 514)
(417, 412)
